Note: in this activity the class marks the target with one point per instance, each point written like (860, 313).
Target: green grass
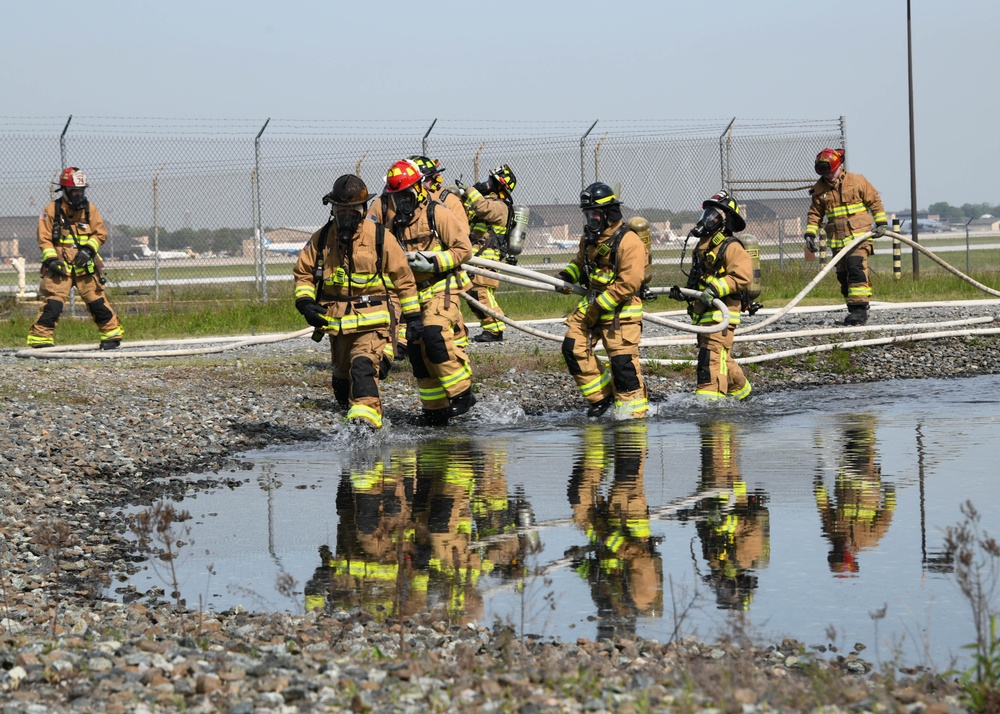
(213, 310)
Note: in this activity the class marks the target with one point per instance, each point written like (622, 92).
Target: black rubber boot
(486, 336)
(598, 408)
(462, 403)
(342, 392)
(110, 344)
(856, 315)
(437, 417)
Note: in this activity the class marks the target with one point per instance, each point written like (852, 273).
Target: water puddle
(819, 515)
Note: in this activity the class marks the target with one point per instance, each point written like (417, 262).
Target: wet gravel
(83, 440)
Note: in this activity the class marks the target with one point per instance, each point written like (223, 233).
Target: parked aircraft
(924, 225)
(145, 252)
(285, 248)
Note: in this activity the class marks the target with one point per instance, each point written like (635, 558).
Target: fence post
(423, 144)
(597, 160)
(62, 144)
(475, 163)
(725, 150)
(259, 227)
(254, 205)
(357, 168)
(897, 262)
(156, 232)
(583, 180)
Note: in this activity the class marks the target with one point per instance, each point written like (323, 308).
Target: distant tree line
(964, 212)
(201, 240)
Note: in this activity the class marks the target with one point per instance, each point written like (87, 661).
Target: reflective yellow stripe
(596, 385)
(361, 411)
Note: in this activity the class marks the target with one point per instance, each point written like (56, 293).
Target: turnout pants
(852, 274)
(439, 359)
(54, 293)
(718, 374)
(623, 379)
(356, 359)
(484, 290)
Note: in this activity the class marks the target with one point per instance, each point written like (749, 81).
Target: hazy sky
(541, 60)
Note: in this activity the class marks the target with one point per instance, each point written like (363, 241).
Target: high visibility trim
(709, 394)
(574, 271)
(362, 411)
(431, 394)
(450, 380)
(597, 384)
(114, 334)
(34, 340)
(741, 393)
(308, 291)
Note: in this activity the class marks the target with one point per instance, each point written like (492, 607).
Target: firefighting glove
(707, 296)
(314, 313)
(593, 316)
(55, 267)
(810, 240)
(511, 260)
(675, 293)
(414, 328)
(880, 229)
(461, 189)
(646, 294)
(83, 256)
(421, 263)
(563, 275)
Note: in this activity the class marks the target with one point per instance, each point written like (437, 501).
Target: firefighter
(859, 511)
(721, 269)
(342, 283)
(610, 263)
(490, 211)
(436, 247)
(734, 525)
(620, 561)
(849, 203)
(70, 232)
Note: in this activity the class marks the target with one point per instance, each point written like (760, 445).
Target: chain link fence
(217, 209)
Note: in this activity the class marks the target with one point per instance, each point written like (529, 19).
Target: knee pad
(623, 373)
(100, 311)
(385, 367)
(856, 269)
(704, 370)
(434, 344)
(50, 313)
(341, 391)
(417, 361)
(363, 378)
(568, 347)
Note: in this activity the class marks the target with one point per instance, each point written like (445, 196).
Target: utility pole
(913, 153)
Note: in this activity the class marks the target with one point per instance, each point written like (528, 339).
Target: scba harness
(709, 264)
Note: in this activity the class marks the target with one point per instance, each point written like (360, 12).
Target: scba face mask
(348, 219)
(405, 203)
(711, 222)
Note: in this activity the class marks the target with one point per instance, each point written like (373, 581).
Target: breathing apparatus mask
(76, 198)
(405, 202)
(712, 221)
(597, 220)
(347, 218)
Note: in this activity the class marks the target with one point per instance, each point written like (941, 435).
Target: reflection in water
(734, 526)
(619, 562)
(417, 531)
(861, 509)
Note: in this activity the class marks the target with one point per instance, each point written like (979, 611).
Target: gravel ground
(82, 440)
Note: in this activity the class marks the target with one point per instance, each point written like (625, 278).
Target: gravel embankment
(83, 439)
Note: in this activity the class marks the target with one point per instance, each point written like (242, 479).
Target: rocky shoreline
(82, 440)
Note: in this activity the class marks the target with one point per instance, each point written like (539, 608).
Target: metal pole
(913, 153)
(843, 133)
(968, 270)
(597, 160)
(423, 144)
(62, 143)
(255, 253)
(357, 168)
(260, 228)
(583, 181)
(897, 263)
(723, 154)
(475, 162)
(156, 232)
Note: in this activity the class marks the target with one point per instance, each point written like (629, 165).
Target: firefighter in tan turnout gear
(342, 283)
(436, 246)
(721, 268)
(70, 232)
(610, 263)
(490, 213)
(849, 203)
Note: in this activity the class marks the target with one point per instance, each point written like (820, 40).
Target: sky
(546, 60)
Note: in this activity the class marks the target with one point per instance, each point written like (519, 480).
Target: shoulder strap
(56, 223)
(321, 254)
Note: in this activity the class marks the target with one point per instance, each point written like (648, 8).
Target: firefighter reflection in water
(860, 509)
(620, 561)
(734, 526)
(414, 537)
